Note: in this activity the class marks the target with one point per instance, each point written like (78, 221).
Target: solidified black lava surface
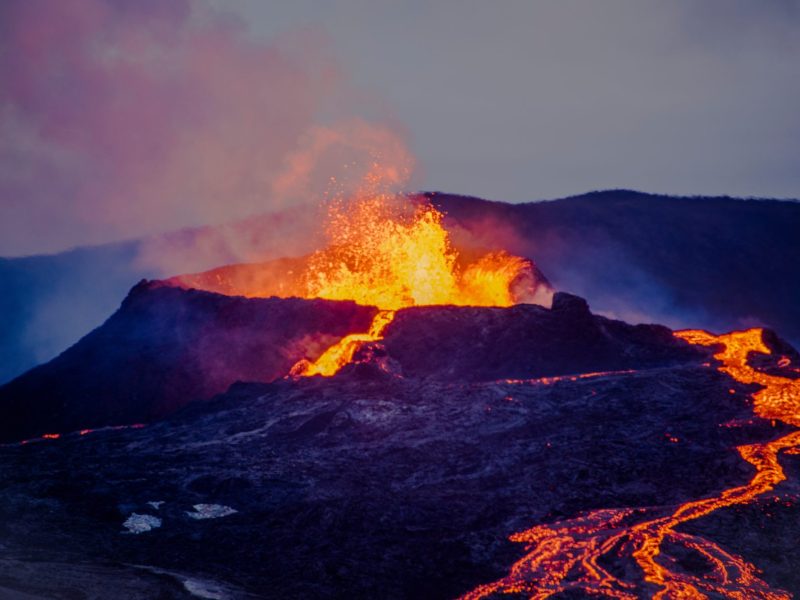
(351, 487)
(376, 483)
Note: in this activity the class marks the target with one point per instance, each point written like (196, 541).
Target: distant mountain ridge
(712, 262)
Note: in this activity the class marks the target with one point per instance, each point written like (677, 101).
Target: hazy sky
(119, 119)
(542, 98)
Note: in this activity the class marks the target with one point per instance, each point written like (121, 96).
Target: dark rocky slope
(390, 488)
(166, 347)
(524, 341)
(368, 484)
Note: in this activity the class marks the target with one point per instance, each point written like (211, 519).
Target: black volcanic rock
(457, 343)
(575, 305)
(351, 488)
(401, 477)
(166, 347)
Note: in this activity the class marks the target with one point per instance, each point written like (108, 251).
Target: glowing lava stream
(81, 432)
(341, 353)
(566, 555)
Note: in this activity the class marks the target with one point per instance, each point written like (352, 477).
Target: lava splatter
(387, 253)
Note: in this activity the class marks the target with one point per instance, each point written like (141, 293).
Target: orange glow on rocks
(566, 556)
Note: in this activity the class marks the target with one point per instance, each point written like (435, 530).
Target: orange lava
(577, 377)
(388, 253)
(341, 353)
(80, 433)
(565, 556)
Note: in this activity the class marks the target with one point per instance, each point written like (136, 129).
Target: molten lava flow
(577, 377)
(388, 253)
(341, 353)
(566, 555)
(81, 433)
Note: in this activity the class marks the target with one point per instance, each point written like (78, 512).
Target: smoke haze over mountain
(121, 119)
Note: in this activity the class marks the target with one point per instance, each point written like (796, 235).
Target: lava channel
(566, 556)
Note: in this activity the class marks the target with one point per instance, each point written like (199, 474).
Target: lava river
(569, 555)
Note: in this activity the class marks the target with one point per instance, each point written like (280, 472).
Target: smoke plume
(119, 119)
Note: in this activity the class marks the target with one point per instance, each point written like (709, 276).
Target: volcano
(375, 484)
(716, 263)
(397, 416)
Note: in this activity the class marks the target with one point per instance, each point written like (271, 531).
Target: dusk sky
(123, 119)
(529, 100)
